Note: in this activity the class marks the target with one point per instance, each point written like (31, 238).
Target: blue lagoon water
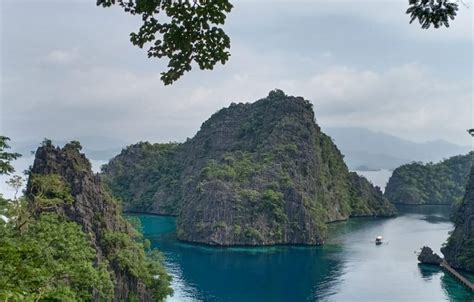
(350, 267)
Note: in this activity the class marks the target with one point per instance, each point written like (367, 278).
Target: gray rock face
(428, 257)
(255, 174)
(459, 250)
(264, 173)
(92, 208)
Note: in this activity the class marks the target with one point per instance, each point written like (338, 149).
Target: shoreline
(220, 246)
(148, 213)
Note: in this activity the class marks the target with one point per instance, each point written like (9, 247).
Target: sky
(68, 70)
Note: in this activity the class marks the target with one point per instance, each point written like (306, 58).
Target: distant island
(255, 174)
(441, 183)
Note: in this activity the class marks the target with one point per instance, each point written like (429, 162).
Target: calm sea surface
(350, 267)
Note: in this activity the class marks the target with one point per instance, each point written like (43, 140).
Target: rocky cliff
(146, 177)
(93, 208)
(459, 249)
(367, 200)
(441, 183)
(255, 174)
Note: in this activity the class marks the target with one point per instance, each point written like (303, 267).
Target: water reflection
(428, 272)
(275, 274)
(436, 210)
(348, 268)
(454, 290)
(435, 219)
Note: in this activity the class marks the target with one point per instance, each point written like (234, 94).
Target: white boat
(378, 240)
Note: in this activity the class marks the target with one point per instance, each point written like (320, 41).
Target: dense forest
(259, 173)
(66, 239)
(459, 249)
(441, 183)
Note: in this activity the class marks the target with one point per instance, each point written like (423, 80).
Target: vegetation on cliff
(441, 183)
(142, 173)
(367, 200)
(50, 260)
(459, 249)
(66, 240)
(6, 157)
(260, 173)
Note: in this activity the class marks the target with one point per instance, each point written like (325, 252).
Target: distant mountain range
(369, 150)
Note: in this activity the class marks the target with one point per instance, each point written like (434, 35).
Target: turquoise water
(350, 267)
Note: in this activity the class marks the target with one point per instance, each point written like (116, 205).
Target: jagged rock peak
(93, 208)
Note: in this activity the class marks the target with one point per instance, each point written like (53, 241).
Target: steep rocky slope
(90, 206)
(146, 177)
(259, 173)
(459, 250)
(367, 200)
(441, 183)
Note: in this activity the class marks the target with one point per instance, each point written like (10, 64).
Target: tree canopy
(6, 157)
(187, 32)
(182, 31)
(432, 12)
(441, 183)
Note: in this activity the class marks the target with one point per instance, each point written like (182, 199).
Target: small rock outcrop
(427, 256)
(459, 249)
(93, 208)
(255, 174)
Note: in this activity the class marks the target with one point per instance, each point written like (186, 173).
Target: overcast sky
(69, 70)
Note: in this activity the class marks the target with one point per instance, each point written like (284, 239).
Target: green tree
(15, 182)
(45, 256)
(6, 157)
(432, 12)
(187, 32)
(51, 261)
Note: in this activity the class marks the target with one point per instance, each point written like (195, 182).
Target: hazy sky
(68, 70)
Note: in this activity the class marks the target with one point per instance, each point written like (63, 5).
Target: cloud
(406, 101)
(382, 13)
(62, 56)
(360, 67)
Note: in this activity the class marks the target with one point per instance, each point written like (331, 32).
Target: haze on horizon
(69, 70)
